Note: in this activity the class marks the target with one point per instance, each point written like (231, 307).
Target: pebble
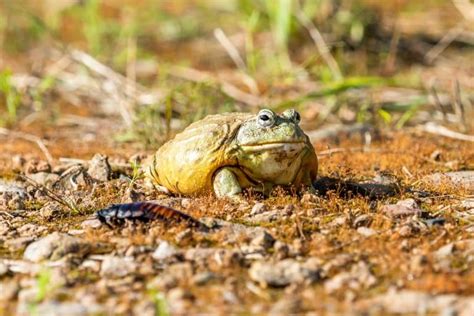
(44, 178)
(56, 308)
(415, 302)
(459, 178)
(18, 243)
(468, 203)
(365, 231)
(117, 267)
(281, 250)
(402, 208)
(3, 269)
(35, 166)
(9, 290)
(99, 168)
(92, 223)
(30, 229)
(284, 273)
(266, 217)
(55, 246)
(286, 306)
(164, 251)
(203, 278)
(360, 277)
(50, 210)
(263, 239)
(258, 208)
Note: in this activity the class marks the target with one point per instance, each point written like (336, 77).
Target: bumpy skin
(226, 153)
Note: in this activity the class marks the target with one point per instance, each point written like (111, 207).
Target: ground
(95, 88)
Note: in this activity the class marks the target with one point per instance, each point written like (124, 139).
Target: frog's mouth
(275, 146)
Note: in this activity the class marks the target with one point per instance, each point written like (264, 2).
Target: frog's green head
(269, 130)
(271, 147)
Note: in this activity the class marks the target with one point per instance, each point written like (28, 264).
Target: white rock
(164, 251)
(117, 267)
(284, 272)
(55, 246)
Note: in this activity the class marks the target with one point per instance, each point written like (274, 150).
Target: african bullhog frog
(226, 153)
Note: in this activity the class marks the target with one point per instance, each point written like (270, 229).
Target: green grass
(10, 99)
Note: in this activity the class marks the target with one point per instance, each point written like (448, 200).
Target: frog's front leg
(226, 184)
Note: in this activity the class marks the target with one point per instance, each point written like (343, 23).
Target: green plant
(9, 98)
(161, 306)
(43, 286)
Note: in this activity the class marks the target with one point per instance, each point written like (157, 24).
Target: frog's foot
(226, 185)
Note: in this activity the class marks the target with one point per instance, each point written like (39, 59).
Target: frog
(226, 154)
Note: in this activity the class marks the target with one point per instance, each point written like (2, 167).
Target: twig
(230, 48)
(459, 105)
(130, 87)
(320, 44)
(71, 205)
(438, 102)
(434, 128)
(31, 138)
(466, 8)
(227, 88)
(236, 58)
(445, 41)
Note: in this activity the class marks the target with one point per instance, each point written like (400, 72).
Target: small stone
(360, 277)
(183, 236)
(164, 251)
(266, 217)
(258, 208)
(19, 243)
(203, 278)
(18, 162)
(365, 231)
(412, 302)
(44, 178)
(362, 220)
(436, 155)
(35, 166)
(459, 178)
(3, 269)
(117, 267)
(405, 231)
(50, 210)
(99, 168)
(9, 290)
(16, 203)
(281, 250)
(55, 308)
(468, 203)
(263, 239)
(286, 306)
(55, 246)
(92, 223)
(179, 300)
(283, 273)
(402, 208)
(186, 203)
(30, 230)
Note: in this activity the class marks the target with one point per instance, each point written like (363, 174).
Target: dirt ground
(402, 246)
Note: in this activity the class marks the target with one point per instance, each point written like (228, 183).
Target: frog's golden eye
(266, 118)
(293, 115)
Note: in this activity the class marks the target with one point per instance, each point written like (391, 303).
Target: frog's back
(187, 163)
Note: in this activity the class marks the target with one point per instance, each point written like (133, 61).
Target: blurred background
(87, 74)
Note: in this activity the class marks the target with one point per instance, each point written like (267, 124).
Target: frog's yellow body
(228, 152)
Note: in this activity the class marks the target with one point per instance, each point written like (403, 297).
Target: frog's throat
(275, 146)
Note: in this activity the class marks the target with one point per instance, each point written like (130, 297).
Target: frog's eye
(266, 118)
(292, 115)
